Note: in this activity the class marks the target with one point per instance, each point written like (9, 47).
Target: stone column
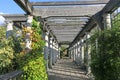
(77, 52)
(70, 52)
(58, 56)
(82, 52)
(46, 49)
(9, 31)
(107, 21)
(51, 51)
(54, 53)
(74, 51)
(27, 37)
(88, 57)
(58, 52)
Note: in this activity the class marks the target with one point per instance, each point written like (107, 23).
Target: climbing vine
(14, 56)
(33, 63)
(105, 54)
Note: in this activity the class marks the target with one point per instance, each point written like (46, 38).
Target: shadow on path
(65, 69)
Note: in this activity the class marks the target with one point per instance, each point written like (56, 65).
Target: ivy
(105, 54)
(13, 56)
(33, 63)
(6, 52)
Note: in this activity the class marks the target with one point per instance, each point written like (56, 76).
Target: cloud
(2, 19)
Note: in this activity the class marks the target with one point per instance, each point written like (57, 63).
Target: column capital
(106, 15)
(9, 25)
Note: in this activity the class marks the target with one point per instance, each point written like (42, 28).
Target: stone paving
(65, 69)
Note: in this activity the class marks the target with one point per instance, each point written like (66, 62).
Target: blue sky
(10, 7)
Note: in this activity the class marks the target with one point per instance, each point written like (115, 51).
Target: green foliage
(37, 41)
(6, 52)
(105, 54)
(13, 57)
(62, 50)
(33, 63)
(34, 67)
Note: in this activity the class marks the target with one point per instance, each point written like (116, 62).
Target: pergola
(64, 20)
(67, 22)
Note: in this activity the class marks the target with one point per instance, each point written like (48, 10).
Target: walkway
(65, 69)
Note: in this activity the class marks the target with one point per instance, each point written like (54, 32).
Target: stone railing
(15, 75)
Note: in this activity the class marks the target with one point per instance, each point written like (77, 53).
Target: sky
(10, 7)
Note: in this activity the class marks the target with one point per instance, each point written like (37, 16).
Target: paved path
(65, 69)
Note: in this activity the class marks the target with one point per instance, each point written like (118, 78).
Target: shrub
(105, 54)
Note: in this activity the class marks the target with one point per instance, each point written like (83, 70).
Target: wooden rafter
(69, 3)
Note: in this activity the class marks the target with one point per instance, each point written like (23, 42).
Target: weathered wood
(67, 11)
(55, 23)
(68, 18)
(66, 27)
(11, 75)
(91, 24)
(65, 34)
(14, 17)
(64, 42)
(69, 3)
(46, 29)
(25, 5)
(69, 30)
(111, 6)
(71, 24)
(65, 39)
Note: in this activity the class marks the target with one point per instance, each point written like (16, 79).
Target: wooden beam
(65, 33)
(65, 27)
(65, 39)
(111, 6)
(66, 30)
(91, 24)
(64, 42)
(67, 11)
(68, 18)
(15, 17)
(54, 23)
(65, 36)
(25, 5)
(97, 18)
(69, 3)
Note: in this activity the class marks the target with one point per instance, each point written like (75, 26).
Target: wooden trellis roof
(67, 21)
